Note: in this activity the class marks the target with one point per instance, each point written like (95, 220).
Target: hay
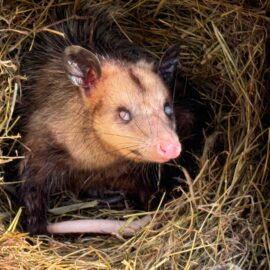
(224, 218)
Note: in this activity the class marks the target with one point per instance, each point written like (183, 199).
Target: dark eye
(125, 115)
(168, 109)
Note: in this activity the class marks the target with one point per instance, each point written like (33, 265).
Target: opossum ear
(168, 63)
(82, 67)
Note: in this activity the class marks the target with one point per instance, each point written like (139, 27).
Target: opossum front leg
(34, 197)
(35, 201)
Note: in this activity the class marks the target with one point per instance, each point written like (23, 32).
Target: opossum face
(131, 109)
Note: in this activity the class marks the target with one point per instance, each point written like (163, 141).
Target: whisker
(124, 136)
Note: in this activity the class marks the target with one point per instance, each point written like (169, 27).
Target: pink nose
(169, 151)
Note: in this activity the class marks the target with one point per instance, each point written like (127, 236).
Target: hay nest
(222, 222)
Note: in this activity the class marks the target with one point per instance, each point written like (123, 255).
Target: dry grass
(224, 218)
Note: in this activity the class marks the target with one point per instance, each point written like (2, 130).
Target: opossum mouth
(162, 160)
(136, 152)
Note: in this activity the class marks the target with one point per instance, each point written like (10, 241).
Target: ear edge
(79, 63)
(169, 62)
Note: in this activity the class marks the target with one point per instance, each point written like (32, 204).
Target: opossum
(96, 108)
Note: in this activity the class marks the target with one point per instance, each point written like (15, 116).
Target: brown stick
(103, 226)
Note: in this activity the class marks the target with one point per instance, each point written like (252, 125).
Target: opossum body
(96, 109)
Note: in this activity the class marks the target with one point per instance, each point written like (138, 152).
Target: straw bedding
(222, 221)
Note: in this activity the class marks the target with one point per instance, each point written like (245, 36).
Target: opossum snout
(168, 151)
(162, 141)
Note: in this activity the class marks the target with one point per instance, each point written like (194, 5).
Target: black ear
(168, 63)
(82, 67)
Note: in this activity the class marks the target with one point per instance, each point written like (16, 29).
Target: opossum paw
(142, 199)
(104, 196)
(38, 228)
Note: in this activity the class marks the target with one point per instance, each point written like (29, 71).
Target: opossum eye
(168, 110)
(125, 115)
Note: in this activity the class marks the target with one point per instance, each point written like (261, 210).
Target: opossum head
(129, 103)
